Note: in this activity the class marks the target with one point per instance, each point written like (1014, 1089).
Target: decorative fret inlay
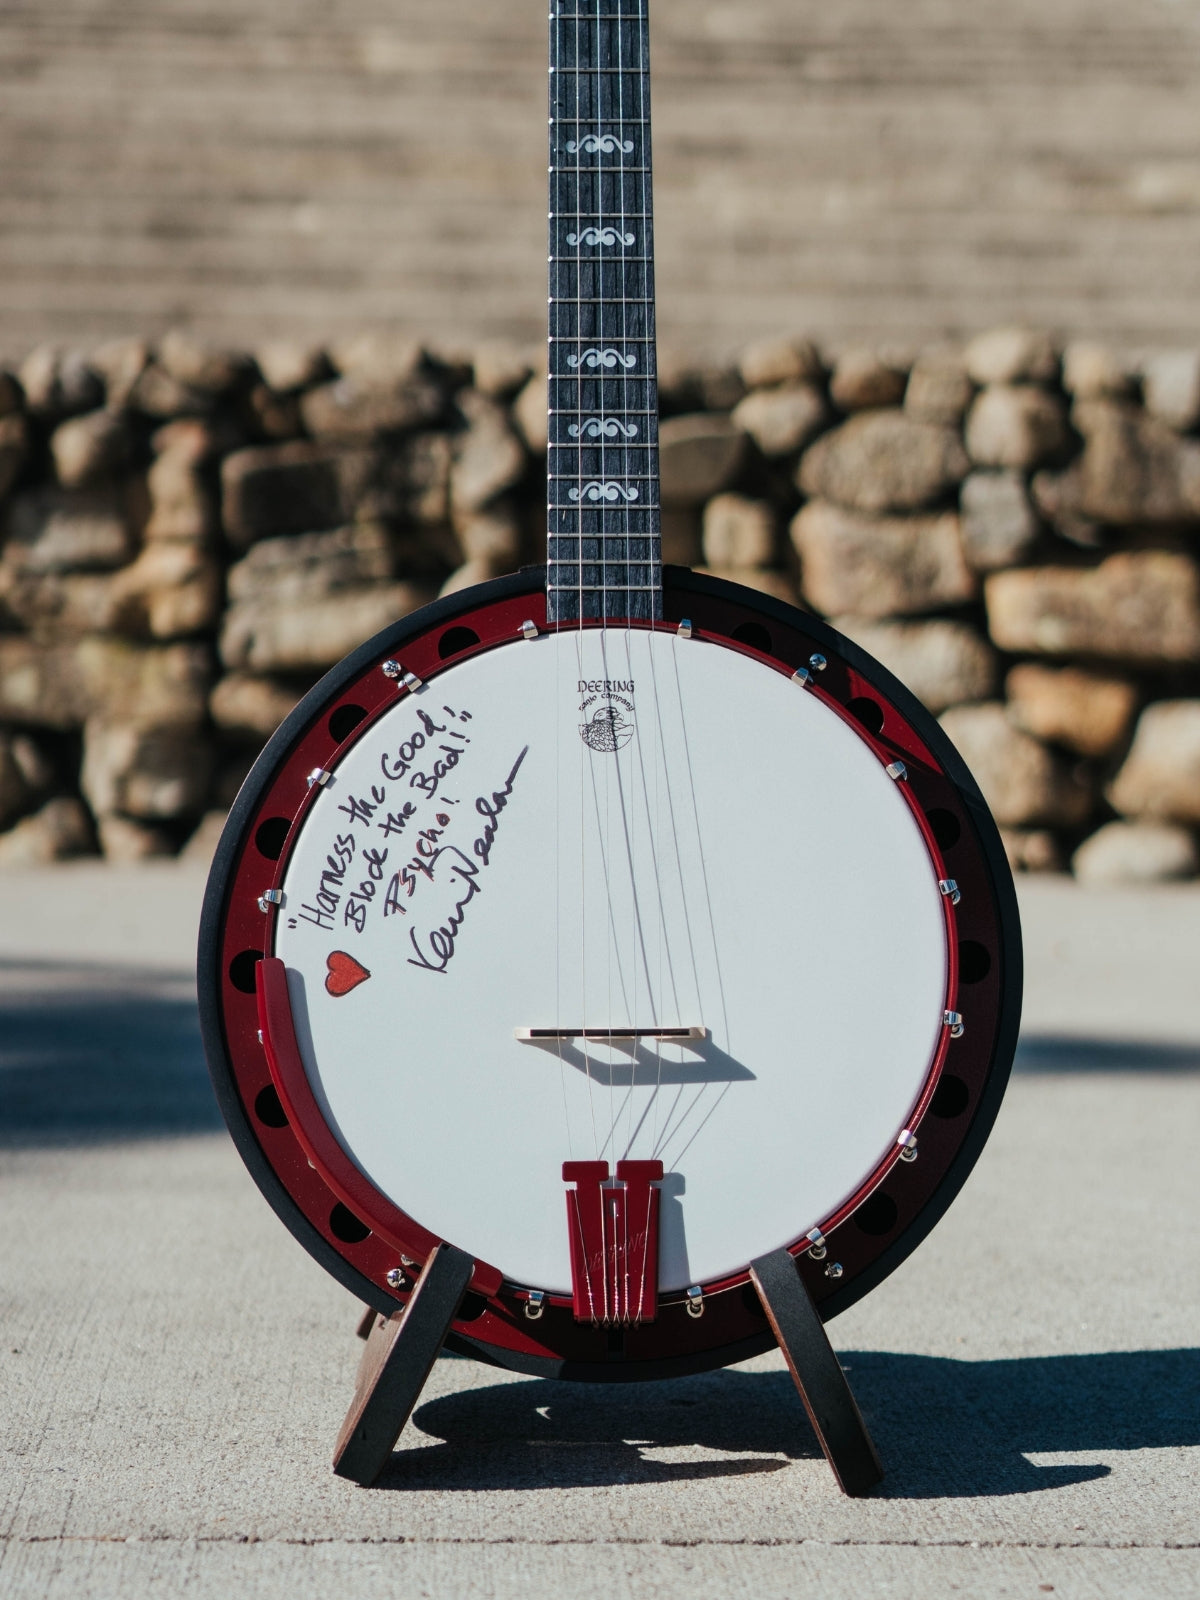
(604, 544)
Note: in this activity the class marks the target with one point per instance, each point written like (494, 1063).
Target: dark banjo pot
(608, 972)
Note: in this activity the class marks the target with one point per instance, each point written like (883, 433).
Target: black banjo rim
(682, 589)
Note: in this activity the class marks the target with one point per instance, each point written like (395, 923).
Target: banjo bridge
(614, 1240)
(607, 1035)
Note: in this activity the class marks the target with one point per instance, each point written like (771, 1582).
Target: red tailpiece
(614, 1240)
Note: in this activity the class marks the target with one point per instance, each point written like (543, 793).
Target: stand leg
(817, 1374)
(395, 1365)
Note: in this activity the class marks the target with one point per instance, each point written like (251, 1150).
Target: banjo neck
(604, 524)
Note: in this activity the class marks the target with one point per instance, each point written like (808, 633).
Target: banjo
(608, 972)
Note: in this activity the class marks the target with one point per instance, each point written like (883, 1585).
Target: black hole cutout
(974, 962)
(867, 711)
(344, 721)
(752, 1303)
(271, 836)
(268, 1109)
(877, 1216)
(472, 1308)
(241, 971)
(344, 1225)
(755, 635)
(947, 829)
(950, 1098)
(455, 640)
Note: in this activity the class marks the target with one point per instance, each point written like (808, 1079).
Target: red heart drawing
(344, 973)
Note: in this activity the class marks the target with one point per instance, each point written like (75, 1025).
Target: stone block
(884, 461)
(531, 413)
(500, 369)
(309, 635)
(1136, 852)
(478, 569)
(738, 532)
(1134, 468)
(493, 535)
(863, 380)
(292, 488)
(60, 830)
(14, 451)
(149, 773)
(58, 605)
(385, 360)
(1093, 372)
(1012, 355)
(196, 364)
(357, 409)
(777, 584)
(66, 530)
(771, 362)
(173, 589)
(488, 460)
(25, 776)
(1141, 607)
(681, 536)
(309, 566)
(784, 419)
(939, 388)
(1160, 777)
(181, 502)
(1031, 850)
(59, 383)
(291, 364)
(250, 707)
(124, 841)
(1171, 389)
(872, 567)
(157, 394)
(999, 526)
(1016, 426)
(91, 447)
(1022, 781)
(699, 456)
(943, 663)
(61, 685)
(1090, 713)
(120, 363)
(11, 398)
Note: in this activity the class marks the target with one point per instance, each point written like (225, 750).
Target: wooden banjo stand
(608, 972)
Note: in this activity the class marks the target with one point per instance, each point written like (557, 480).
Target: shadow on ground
(1052, 1053)
(945, 1428)
(90, 1056)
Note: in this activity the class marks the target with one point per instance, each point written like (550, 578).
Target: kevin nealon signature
(457, 874)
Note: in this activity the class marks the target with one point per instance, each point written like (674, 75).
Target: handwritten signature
(454, 871)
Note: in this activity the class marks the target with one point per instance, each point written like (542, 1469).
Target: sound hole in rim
(866, 711)
(753, 634)
(242, 971)
(271, 836)
(268, 1109)
(344, 1225)
(343, 722)
(974, 961)
(945, 827)
(877, 1216)
(951, 1097)
(455, 640)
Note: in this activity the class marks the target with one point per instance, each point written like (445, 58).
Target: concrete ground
(175, 1367)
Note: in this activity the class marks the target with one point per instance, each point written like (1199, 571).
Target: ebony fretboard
(604, 525)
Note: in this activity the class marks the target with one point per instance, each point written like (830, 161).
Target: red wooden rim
(341, 1205)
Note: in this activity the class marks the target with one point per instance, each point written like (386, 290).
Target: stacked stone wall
(190, 536)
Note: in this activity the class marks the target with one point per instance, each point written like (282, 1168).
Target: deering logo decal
(607, 706)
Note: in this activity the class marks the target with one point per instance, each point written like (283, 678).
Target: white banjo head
(625, 894)
(607, 832)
